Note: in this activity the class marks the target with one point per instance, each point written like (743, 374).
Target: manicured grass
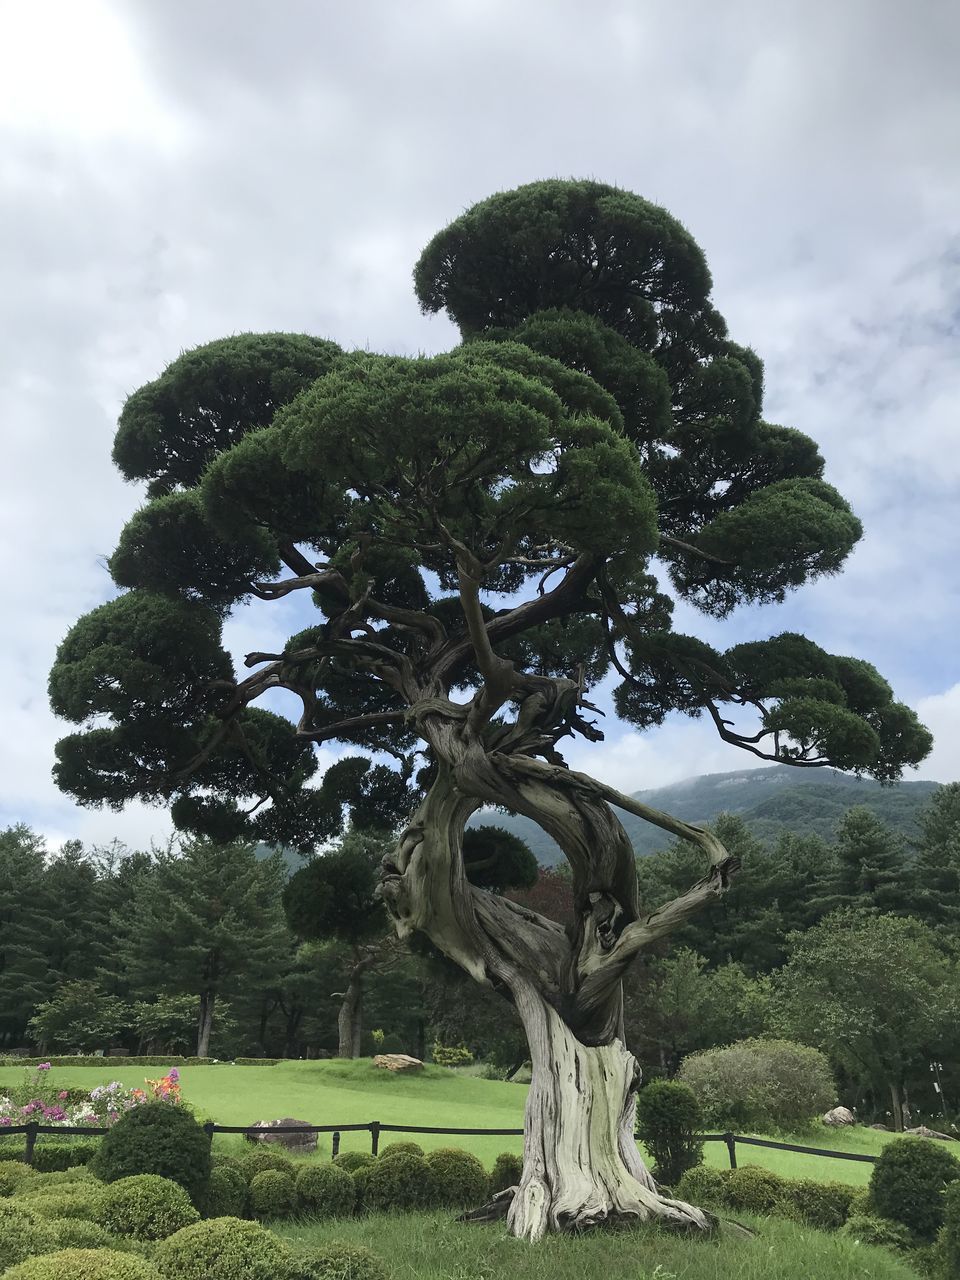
(434, 1247)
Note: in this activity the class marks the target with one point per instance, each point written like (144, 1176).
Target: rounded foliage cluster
(507, 1171)
(401, 1148)
(222, 1249)
(340, 1262)
(703, 1185)
(262, 1159)
(22, 1234)
(667, 1121)
(908, 1183)
(324, 1191)
(145, 1206)
(12, 1175)
(460, 1180)
(226, 1193)
(402, 1181)
(159, 1138)
(63, 1202)
(84, 1264)
(880, 1231)
(78, 1233)
(757, 1086)
(754, 1190)
(272, 1194)
(825, 1205)
(351, 1161)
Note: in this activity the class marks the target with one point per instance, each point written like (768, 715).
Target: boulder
(882, 1127)
(274, 1131)
(922, 1131)
(397, 1062)
(839, 1116)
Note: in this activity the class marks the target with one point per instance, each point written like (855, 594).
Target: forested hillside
(769, 801)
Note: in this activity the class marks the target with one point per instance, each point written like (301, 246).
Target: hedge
(139, 1060)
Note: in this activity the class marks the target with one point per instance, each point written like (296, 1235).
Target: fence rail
(376, 1127)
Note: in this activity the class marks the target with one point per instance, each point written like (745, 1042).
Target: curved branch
(746, 744)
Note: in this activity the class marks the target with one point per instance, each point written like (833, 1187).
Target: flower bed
(38, 1101)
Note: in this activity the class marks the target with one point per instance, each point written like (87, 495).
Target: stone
(882, 1127)
(273, 1131)
(397, 1062)
(921, 1131)
(839, 1116)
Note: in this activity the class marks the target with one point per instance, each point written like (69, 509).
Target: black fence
(375, 1127)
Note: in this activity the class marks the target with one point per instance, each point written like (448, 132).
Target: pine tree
(26, 920)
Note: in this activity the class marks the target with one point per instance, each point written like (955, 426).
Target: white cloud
(941, 714)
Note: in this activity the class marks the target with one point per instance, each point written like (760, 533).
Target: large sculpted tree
(485, 535)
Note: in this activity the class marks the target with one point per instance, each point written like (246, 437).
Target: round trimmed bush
(879, 1231)
(63, 1202)
(84, 1264)
(222, 1249)
(401, 1149)
(22, 1234)
(668, 1120)
(272, 1194)
(53, 1155)
(754, 1190)
(908, 1182)
(825, 1205)
(263, 1160)
(324, 1191)
(160, 1138)
(755, 1086)
(340, 1262)
(64, 1178)
(353, 1160)
(460, 1180)
(226, 1193)
(78, 1233)
(703, 1185)
(12, 1174)
(145, 1206)
(405, 1181)
(506, 1172)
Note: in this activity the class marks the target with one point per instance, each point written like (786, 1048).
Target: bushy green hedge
(324, 1191)
(79, 1175)
(272, 1194)
(757, 1086)
(22, 1234)
(879, 1231)
(351, 1161)
(753, 1189)
(908, 1183)
(222, 1249)
(78, 1233)
(668, 1121)
(401, 1149)
(449, 1055)
(460, 1180)
(84, 1264)
(404, 1181)
(263, 1158)
(949, 1239)
(340, 1262)
(703, 1185)
(120, 1060)
(12, 1175)
(77, 1201)
(226, 1193)
(507, 1169)
(159, 1138)
(51, 1156)
(257, 1062)
(145, 1206)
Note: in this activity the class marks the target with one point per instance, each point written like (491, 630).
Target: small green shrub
(12, 1175)
(272, 1194)
(756, 1086)
(79, 1175)
(84, 1264)
(324, 1191)
(446, 1055)
(263, 1159)
(404, 1181)
(668, 1120)
(703, 1185)
(879, 1231)
(145, 1206)
(22, 1234)
(861, 1206)
(159, 1138)
(460, 1180)
(78, 1233)
(224, 1161)
(222, 1249)
(353, 1160)
(754, 1190)
(226, 1193)
(63, 1202)
(401, 1149)
(337, 1261)
(506, 1172)
(825, 1205)
(908, 1182)
(948, 1242)
(55, 1157)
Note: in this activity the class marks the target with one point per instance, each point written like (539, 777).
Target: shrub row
(137, 1060)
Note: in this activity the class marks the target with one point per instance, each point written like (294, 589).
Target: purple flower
(44, 1066)
(174, 1074)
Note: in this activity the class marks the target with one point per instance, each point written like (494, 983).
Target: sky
(173, 173)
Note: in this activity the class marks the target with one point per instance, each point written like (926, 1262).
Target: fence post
(731, 1141)
(32, 1129)
(335, 1145)
(209, 1129)
(375, 1137)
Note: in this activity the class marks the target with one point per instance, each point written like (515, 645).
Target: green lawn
(434, 1247)
(335, 1092)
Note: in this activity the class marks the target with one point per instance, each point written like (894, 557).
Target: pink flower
(44, 1066)
(174, 1074)
(63, 1094)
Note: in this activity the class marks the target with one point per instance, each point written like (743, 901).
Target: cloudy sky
(174, 172)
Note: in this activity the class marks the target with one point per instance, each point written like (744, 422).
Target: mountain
(769, 801)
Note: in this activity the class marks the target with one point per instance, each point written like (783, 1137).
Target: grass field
(434, 1247)
(335, 1092)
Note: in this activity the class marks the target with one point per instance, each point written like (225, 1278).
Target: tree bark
(896, 1099)
(207, 1002)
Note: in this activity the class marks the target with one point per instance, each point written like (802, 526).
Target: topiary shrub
(263, 1160)
(159, 1138)
(460, 1180)
(908, 1182)
(948, 1242)
(668, 1120)
(78, 1233)
(401, 1149)
(404, 1181)
(324, 1191)
(12, 1175)
(880, 1231)
(825, 1205)
(145, 1206)
(226, 1194)
(757, 1086)
(63, 1202)
(507, 1169)
(340, 1262)
(861, 1206)
(351, 1161)
(703, 1185)
(84, 1264)
(272, 1194)
(54, 1157)
(222, 1249)
(226, 1162)
(447, 1055)
(22, 1234)
(80, 1174)
(754, 1189)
